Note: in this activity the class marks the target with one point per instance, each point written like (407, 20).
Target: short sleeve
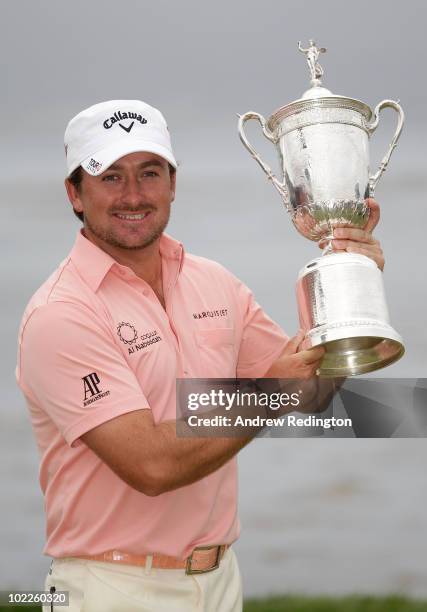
(70, 365)
(263, 340)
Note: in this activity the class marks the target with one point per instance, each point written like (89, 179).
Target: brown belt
(202, 559)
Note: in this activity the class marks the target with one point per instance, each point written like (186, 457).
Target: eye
(151, 173)
(110, 178)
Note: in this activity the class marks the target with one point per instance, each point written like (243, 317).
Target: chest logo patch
(128, 334)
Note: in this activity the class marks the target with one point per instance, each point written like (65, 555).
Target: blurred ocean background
(318, 515)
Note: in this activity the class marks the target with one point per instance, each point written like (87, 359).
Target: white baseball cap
(104, 132)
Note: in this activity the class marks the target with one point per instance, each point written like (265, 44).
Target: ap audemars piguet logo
(91, 389)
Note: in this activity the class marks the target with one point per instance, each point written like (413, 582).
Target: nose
(132, 194)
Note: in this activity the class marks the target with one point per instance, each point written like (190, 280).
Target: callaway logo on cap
(101, 134)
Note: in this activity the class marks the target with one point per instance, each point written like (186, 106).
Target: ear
(73, 195)
(173, 186)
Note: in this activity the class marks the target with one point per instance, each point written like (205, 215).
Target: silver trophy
(323, 145)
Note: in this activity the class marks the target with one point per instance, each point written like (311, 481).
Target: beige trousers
(97, 586)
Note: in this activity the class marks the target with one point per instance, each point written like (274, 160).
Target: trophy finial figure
(312, 54)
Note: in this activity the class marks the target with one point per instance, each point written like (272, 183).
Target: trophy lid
(317, 96)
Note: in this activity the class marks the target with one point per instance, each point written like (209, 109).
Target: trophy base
(358, 355)
(342, 307)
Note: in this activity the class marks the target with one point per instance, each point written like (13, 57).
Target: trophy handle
(281, 187)
(371, 127)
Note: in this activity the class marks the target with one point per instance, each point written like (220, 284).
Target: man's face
(128, 205)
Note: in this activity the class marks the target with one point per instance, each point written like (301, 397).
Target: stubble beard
(111, 238)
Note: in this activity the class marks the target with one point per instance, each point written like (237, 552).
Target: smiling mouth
(131, 216)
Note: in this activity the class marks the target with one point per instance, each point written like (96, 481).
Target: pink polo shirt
(96, 343)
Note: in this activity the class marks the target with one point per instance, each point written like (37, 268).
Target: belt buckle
(188, 568)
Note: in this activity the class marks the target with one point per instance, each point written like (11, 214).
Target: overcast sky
(200, 63)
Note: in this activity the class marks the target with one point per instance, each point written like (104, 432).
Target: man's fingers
(374, 215)
(294, 342)
(358, 235)
(354, 234)
(323, 243)
(312, 355)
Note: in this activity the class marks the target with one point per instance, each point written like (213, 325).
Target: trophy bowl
(322, 141)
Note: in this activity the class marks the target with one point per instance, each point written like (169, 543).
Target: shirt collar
(93, 263)
(172, 249)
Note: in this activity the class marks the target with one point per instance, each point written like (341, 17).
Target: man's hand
(360, 241)
(295, 363)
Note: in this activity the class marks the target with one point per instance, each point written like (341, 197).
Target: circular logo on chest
(126, 332)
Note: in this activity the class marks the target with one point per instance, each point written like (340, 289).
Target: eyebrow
(151, 162)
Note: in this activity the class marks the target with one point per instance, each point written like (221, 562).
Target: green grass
(4, 608)
(307, 604)
(335, 604)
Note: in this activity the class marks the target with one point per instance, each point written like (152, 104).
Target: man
(137, 518)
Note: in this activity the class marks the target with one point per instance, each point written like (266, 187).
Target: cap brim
(99, 162)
